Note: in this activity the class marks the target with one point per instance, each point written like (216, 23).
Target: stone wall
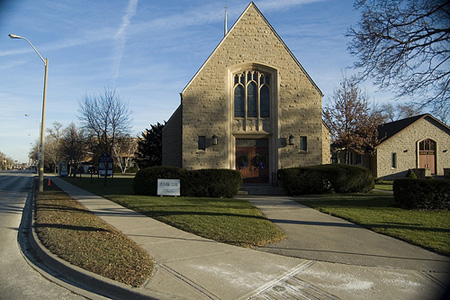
(326, 142)
(171, 137)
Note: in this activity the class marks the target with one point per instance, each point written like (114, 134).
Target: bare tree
(123, 151)
(34, 151)
(74, 146)
(105, 116)
(391, 113)
(353, 124)
(404, 46)
(53, 146)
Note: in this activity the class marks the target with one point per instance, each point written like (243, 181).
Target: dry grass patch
(76, 235)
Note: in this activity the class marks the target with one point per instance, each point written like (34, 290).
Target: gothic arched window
(251, 95)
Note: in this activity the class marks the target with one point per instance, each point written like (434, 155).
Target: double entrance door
(252, 160)
(427, 155)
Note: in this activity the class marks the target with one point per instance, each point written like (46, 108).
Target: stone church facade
(250, 107)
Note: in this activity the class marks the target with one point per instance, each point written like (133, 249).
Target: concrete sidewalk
(318, 236)
(190, 267)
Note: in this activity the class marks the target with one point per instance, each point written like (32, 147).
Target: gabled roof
(253, 5)
(388, 130)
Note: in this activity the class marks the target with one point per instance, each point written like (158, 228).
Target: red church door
(252, 160)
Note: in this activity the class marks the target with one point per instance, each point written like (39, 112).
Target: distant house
(250, 107)
(419, 142)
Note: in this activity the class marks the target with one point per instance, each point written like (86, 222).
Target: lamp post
(42, 129)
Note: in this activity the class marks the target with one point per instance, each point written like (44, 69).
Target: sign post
(105, 165)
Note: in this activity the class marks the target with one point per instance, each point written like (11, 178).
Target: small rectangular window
(394, 160)
(303, 143)
(201, 143)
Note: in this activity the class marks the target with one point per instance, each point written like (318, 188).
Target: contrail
(121, 36)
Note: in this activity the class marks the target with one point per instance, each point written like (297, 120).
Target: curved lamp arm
(14, 36)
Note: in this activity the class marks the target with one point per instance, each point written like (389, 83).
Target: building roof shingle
(387, 130)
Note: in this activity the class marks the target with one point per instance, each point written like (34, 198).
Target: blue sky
(146, 50)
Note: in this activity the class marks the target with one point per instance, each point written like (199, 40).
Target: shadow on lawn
(58, 207)
(351, 225)
(70, 227)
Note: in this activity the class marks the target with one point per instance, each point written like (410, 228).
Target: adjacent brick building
(250, 107)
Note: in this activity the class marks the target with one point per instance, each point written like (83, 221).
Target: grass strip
(76, 235)
(383, 186)
(225, 220)
(376, 211)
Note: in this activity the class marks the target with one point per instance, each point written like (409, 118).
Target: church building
(251, 107)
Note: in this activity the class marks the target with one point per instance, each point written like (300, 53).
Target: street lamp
(42, 137)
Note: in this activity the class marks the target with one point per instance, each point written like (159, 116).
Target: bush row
(197, 183)
(422, 193)
(335, 178)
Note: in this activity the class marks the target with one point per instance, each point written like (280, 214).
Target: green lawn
(386, 186)
(376, 211)
(240, 223)
(230, 221)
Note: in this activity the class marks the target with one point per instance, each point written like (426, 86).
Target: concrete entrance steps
(260, 189)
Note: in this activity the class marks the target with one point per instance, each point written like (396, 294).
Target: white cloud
(276, 5)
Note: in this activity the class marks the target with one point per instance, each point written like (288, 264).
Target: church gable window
(251, 95)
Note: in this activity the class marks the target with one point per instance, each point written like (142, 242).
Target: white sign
(168, 187)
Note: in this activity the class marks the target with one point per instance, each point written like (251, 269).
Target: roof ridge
(408, 118)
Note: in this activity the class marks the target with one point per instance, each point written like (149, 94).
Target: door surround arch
(261, 127)
(426, 154)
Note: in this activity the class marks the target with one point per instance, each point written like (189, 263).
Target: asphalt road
(18, 280)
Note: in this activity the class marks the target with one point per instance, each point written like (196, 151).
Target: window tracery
(251, 94)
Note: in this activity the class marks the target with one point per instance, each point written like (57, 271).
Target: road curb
(74, 275)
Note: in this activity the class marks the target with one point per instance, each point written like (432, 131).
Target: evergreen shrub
(410, 174)
(212, 183)
(422, 193)
(335, 178)
(195, 183)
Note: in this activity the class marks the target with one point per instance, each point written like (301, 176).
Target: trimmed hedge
(196, 183)
(422, 193)
(335, 178)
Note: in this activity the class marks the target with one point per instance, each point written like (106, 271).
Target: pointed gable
(253, 33)
(250, 88)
